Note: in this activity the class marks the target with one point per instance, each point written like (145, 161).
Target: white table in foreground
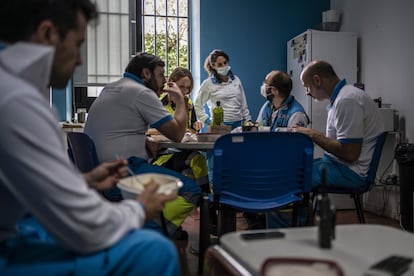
(355, 249)
(203, 146)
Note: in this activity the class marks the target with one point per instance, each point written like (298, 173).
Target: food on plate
(132, 186)
(135, 183)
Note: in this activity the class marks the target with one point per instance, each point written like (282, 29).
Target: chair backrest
(82, 151)
(372, 171)
(262, 170)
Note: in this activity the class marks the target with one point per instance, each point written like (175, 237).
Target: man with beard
(120, 117)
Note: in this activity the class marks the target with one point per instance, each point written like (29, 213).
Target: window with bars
(159, 27)
(164, 31)
(108, 44)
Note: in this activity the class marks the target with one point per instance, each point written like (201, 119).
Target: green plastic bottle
(218, 114)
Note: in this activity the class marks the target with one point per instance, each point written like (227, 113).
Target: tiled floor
(188, 249)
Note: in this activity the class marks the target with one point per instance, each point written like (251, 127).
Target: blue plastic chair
(259, 172)
(255, 172)
(370, 181)
(82, 151)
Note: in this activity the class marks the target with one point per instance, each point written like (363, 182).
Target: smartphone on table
(262, 235)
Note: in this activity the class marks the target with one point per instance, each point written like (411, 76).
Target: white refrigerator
(340, 50)
(337, 48)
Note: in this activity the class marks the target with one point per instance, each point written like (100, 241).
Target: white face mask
(266, 92)
(263, 90)
(223, 70)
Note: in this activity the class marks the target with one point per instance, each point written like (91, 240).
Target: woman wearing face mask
(222, 85)
(281, 110)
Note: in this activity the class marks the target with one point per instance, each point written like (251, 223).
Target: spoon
(131, 172)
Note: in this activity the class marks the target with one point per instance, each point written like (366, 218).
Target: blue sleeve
(158, 123)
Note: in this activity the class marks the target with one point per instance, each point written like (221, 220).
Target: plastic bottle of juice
(218, 114)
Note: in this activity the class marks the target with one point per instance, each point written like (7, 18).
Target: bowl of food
(134, 185)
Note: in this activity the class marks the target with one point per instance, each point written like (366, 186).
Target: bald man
(352, 127)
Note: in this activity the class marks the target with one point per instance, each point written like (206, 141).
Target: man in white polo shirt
(75, 230)
(352, 127)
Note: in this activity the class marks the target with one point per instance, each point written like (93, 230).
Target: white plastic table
(355, 248)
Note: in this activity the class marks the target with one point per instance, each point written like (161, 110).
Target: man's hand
(153, 201)
(106, 175)
(174, 92)
(308, 131)
(175, 129)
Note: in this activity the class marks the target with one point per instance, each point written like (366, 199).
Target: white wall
(386, 52)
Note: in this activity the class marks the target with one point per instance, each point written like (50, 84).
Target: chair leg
(308, 201)
(204, 234)
(314, 202)
(358, 206)
(295, 215)
(226, 220)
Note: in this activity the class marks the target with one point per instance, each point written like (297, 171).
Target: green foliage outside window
(177, 55)
(165, 32)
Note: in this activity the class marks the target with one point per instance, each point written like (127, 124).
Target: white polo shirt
(354, 118)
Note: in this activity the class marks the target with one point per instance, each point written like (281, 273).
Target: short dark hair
(282, 82)
(143, 60)
(20, 18)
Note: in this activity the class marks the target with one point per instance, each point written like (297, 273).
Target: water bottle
(218, 114)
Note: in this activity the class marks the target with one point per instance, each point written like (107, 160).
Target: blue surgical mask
(223, 70)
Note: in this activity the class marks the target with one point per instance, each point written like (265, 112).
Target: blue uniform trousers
(141, 252)
(337, 175)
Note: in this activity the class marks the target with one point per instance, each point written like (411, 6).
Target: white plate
(132, 186)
